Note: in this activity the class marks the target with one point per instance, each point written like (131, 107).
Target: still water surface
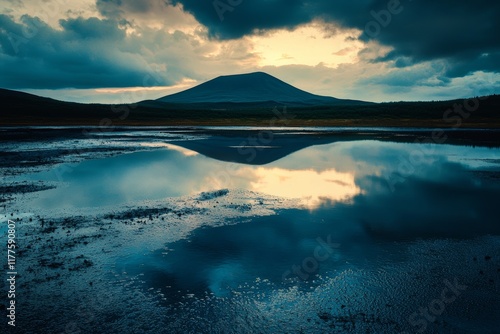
(370, 231)
(353, 201)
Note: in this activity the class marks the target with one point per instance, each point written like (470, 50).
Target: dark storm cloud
(461, 31)
(228, 19)
(84, 54)
(489, 62)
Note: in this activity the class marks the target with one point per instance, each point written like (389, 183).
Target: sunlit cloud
(102, 51)
(308, 45)
(51, 11)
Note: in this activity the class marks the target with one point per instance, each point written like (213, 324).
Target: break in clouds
(408, 46)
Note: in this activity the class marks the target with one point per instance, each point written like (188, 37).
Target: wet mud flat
(234, 260)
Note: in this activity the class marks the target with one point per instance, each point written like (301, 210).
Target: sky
(124, 51)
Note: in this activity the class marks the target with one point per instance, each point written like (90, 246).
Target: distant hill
(251, 88)
(12, 98)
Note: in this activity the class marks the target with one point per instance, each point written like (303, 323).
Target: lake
(283, 231)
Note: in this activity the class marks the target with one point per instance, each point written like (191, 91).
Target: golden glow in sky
(324, 56)
(307, 45)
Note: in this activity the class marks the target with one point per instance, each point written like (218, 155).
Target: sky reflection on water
(362, 196)
(385, 221)
(330, 173)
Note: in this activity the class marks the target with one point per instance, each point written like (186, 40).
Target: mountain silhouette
(254, 87)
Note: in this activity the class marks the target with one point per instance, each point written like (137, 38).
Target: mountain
(257, 87)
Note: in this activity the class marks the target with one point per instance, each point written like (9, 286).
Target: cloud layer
(465, 32)
(383, 49)
(83, 54)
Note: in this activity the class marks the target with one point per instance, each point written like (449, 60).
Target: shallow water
(364, 220)
(316, 175)
(354, 204)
